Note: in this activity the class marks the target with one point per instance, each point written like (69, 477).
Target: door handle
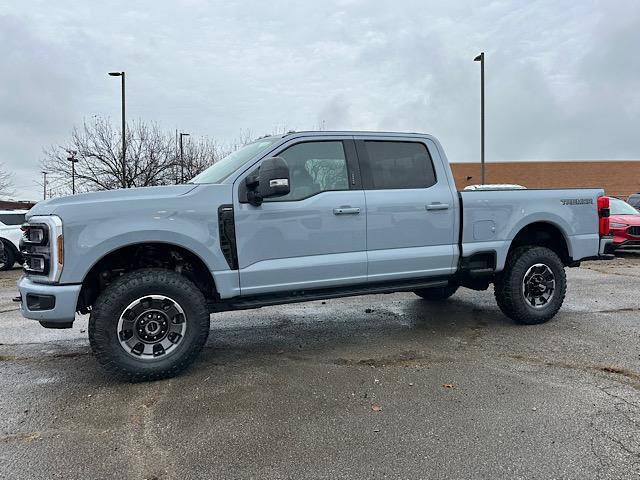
(346, 210)
(437, 206)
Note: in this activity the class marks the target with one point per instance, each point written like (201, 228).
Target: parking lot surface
(386, 386)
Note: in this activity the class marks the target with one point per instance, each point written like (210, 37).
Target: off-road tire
(110, 305)
(437, 294)
(9, 255)
(508, 288)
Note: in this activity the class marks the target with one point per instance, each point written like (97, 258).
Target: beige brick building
(618, 178)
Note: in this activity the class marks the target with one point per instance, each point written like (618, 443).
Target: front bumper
(625, 241)
(62, 309)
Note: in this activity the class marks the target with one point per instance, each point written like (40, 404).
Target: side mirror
(272, 181)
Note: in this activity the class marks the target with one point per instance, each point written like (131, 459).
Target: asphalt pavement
(385, 386)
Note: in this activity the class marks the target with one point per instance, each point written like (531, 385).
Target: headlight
(42, 248)
(34, 234)
(35, 264)
(618, 225)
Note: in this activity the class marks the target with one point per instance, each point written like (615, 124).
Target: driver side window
(314, 167)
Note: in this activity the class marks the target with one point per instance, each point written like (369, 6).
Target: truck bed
(491, 219)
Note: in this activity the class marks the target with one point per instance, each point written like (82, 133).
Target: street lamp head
(115, 74)
(184, 134)
(479, 57)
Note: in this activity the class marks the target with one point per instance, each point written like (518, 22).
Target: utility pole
(44, 185)
(480, 58)
(72, 158)
(182, 157)
(124, 128)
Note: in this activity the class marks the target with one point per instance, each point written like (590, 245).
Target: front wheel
(148, 324)
(532, 286)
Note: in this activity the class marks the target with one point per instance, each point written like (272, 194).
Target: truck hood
(49, 207)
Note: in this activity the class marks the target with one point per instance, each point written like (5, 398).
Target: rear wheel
(148, 324)
(437, 293)
(532, 286)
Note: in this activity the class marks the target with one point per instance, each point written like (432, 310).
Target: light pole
(480, 58)
(72, 158)
(182, 158)
(124, 140)
(175, 167)
(44, 185)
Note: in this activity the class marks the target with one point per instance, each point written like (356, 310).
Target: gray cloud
(563, 78)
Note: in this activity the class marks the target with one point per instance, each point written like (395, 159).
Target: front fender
(86, 243)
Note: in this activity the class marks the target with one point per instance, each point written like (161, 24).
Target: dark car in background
(624, 222)
(634, 200)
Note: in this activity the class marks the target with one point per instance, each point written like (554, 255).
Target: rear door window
(395, 165)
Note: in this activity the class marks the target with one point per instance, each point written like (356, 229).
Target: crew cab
(292, 218)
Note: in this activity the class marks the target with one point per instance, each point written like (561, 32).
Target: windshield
(619, 207)
(220, 170)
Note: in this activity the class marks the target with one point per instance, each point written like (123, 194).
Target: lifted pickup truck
(292, 218)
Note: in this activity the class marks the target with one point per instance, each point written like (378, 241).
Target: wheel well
(545, 235)
(144, 255)
(8, 244)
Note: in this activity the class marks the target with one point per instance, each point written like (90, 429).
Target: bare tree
(6, 182)
(97, 146)
(152, 157)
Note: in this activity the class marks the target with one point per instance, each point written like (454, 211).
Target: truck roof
(328, 133)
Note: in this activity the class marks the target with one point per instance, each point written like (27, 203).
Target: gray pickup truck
(293, 218)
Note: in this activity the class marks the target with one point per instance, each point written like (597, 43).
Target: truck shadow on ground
(321, 333)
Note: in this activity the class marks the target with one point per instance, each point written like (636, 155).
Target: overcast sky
(562, 77)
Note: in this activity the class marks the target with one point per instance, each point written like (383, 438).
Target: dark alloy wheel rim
(538, 285)
(152, 327)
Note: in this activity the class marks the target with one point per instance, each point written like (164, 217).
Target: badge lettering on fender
(577, 201)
